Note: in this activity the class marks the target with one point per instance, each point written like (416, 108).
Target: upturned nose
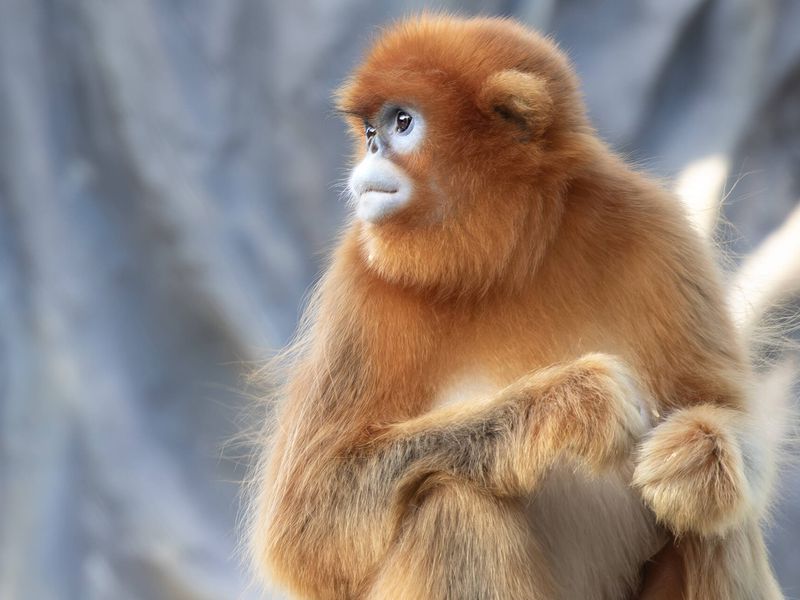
(374, 144)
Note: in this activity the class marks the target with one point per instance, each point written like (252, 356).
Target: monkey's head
(463, 128)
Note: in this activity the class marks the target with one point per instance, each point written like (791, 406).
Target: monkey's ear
(519, 98)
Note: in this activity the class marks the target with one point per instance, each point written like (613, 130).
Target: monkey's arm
(704, 468)
(588, 409)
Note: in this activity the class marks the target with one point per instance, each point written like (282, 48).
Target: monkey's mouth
(375, 204)
(378, 190)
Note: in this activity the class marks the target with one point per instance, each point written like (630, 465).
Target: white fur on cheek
(379, 188)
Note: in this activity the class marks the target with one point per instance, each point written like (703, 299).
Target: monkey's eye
(369, 131)
(402, 121)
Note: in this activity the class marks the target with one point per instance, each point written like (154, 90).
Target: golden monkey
(517, 377)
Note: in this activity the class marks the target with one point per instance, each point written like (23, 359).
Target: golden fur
(533, 261)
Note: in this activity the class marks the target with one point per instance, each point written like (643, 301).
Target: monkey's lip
(375, 205)
(378, 190)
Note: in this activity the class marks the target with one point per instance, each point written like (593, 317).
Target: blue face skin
(395, 131)
(378, 186)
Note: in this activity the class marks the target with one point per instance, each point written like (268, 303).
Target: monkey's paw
(604, 417)
(690, 471)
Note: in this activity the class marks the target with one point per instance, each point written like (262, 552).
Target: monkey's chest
(468, 389)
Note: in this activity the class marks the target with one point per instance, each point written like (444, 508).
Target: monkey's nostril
(373, 145)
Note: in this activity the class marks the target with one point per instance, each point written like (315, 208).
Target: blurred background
(167, 188)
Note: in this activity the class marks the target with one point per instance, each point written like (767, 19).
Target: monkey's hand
(691, 471)
(593, 410)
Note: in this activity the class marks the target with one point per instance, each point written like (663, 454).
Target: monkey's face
(454, 124)
(379, 185)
